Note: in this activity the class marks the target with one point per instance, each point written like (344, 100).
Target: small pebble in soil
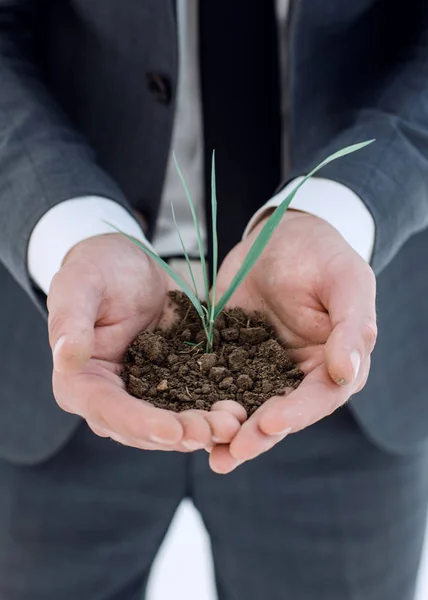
(207, 361)
(248, 364)
(162, 386)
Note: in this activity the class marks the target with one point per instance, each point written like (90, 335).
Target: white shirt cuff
(69, 223)
(333, 202)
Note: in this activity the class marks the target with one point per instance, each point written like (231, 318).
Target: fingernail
(355, 362)
(159, 440)
(192, 444)
(217, 440)
(60, 343)
(284, 432)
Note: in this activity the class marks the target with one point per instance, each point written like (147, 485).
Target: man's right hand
(106, 292)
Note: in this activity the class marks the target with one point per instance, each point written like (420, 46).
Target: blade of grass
(270, 226)
(215, 245)
(197, 230)
(170, 272)
(186, 256)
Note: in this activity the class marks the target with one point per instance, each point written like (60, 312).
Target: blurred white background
(174, 576)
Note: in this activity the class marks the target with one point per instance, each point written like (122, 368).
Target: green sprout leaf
(215, 248)
(197, 231)
(271, 224)
(186, 256)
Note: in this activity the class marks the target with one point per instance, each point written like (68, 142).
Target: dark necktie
(241, 108)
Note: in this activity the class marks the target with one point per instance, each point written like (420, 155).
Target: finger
(141, 445)
(232, 407)
(350, 300)
(251, 441)
(315, 398)
(363, 376)
(224, 426)
(99, 431)
(73, 302)
(108, 407)
(196, 430)
(221, 461)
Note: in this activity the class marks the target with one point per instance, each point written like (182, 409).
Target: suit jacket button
(160, 86)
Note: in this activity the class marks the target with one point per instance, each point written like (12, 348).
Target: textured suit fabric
(81, 113)
(324, 515)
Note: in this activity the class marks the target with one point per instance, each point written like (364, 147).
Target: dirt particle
(201, 338)
(253, 335)
(172, 359)
(237, 359)
(218, 373)
(183, 370)
(152, 346)
(244, 382)
(250, 398)
(137, 387)
(231, 334)
(267, 387)
(226, 383)
(136, 371)
(186, 335)
(220, 322)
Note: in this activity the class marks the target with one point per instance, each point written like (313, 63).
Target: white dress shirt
(77, 219)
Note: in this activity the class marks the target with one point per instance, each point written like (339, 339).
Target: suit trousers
(325, 515)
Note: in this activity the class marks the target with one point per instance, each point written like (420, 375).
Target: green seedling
(211, 309)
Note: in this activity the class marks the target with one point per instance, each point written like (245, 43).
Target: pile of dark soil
(247, 364)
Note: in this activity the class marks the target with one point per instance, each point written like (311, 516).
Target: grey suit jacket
(86, 108)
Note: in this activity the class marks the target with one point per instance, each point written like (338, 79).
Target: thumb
(73, 302)
(351, 303)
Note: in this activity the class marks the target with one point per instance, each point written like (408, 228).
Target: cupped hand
(106, 292)
(320, 296)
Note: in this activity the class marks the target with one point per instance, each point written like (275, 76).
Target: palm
(284, 285)
(135, 298)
